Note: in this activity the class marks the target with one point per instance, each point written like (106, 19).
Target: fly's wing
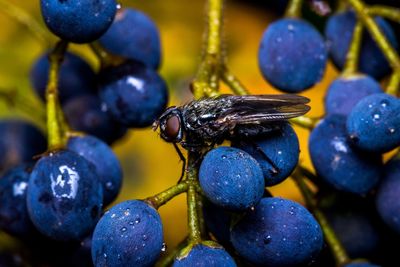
(258, 109)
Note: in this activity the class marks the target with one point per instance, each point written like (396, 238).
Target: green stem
(305, 122)
(390, 53)
(353, 55)
(388, 12)
(24, 18)
(294, 9)
(233, 82)
(162, 198)
(394, 84)
(54, 129)
(106, 58)
(192, 201)
(206, 82)
(200, 216)
(331, 239)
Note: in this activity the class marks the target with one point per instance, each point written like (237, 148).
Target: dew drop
(131, 223)
(279, 39)
(376, 116)
(105, 255)
(123, 229)
(290, 27)
(118, 6)
(267, 239)
(392, 130)
(109, 186)
(137, 220)
(145, 237)
(223, 156)
(384, 103)
(164, 247)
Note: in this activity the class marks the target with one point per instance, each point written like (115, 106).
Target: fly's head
(171, 125)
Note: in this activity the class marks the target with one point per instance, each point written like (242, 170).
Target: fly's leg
(183, 159)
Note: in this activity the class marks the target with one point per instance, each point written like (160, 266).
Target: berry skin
(218, 222)
(78, 21)
(387, 195)
(373, 124)
(345, 92)
(103, 158)
(86, 113)
(205, 256)
(14, 218)
(278, 232)
(134, 94)
(135, 36)
(281, 147)
(361, 264)
(337, 162)
(19, 142)
(339, 32)
(129, 234)
(292, 55)
(231, 178)
(76, 77)
(64, 196)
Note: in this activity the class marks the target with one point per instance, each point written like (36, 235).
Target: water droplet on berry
(223, 156)
(376, 116)
(118, 6)
(267, 239)
(290, 27)
(109, 186)
(105, 255)
(123, 229)
(137, 220)
(384, 103)
(164, 247)
(145, 237)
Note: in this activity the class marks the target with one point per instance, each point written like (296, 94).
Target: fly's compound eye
(172, 129)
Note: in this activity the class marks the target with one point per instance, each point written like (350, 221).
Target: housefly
(209, 121)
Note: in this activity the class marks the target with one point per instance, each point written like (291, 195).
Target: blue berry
(205, 256)
(19, 142)
(339, 32)
(337, 162)
(129, 234)
(134, 94)
(14, 218)
(218, 221)
(361, 264)
(278, 232)
(64, 196)
(345, 92)
(373, 124)
(231, 178)
(86, 113)
(103, 158)
(78, 21)
(292, 55)
(281, 147)
(135, 36)
(388, 193)
(76, 77)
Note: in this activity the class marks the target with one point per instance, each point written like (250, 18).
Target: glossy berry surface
(76, 77)
(103, 158)
(339, 32)
(345, 92)
(278, 232)
(64, 196)
(135, 36)
(281, 147)
(205, 256)
(86, 113)
(129, 234)
(361, 264)
(374, 123)
(292, 55)
(19, 142)
(218, 222)
(134, 94)
(78, 21)
(387, 195)
(14, 218)
(337, 162)
(231, 178)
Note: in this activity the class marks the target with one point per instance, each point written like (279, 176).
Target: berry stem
(206, 82)
(391, 13)
(293, 9)
(394, 83)
(305, 122)
(353, 55)
(192, 200)
(163, 197)
(54, 127)
(233, 82)
(331, 239)
(106, 58)
(25, 19)
(390, 53)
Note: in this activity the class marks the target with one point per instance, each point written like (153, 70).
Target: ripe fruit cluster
(55, 198)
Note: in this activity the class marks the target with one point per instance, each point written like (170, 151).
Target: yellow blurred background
(151, 165)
